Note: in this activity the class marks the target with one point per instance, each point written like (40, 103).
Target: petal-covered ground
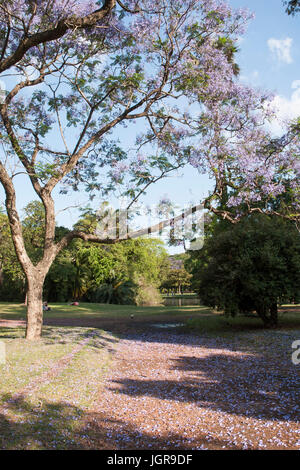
(171, 390)
(156, 388)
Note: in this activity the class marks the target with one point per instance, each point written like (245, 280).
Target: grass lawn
(289, 315)
(10, 311)
(217, 323)
(47, 386)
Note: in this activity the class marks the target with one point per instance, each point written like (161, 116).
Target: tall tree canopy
(252, 266)
(75, 71)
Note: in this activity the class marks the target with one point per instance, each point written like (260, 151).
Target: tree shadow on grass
(145, 329)
(97, 339)
(12, 311)
(26, 426)
(11, 333)
(247, 385)
(63, 426)
(249, 375)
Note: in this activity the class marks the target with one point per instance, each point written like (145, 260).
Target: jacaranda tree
(75, 71)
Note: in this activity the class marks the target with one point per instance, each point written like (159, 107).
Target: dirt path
(177, 391)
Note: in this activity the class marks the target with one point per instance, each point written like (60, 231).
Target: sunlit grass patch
(91, 310)
(87, 310)
(46, 386)
(12, 311)
(26, 360)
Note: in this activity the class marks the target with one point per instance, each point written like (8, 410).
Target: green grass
(198, 318)
(40, 411)
(9, 311)
(217, 323)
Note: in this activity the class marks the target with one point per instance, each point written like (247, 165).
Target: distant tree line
(129, 272)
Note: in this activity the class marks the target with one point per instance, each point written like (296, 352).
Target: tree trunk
(274, 314)
(262, 313)
(268, 315)
(34, 309)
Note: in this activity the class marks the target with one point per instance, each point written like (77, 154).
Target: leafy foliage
(115, 292)
(253, 265)
(84, 69)
(292, 6)
(176, 279)
(12, 279)
(81, 269)
(147, 295)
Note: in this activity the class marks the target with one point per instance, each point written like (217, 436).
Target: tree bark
(262, 313)
(268, 315)
(58, 31)
(274, 314)
(34, 309)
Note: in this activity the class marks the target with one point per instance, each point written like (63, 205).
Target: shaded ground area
(198, 318)
(119, 326)
(169, 391)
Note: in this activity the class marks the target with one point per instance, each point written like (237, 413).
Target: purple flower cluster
(170, 65)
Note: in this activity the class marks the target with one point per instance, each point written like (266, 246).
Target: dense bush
(148, 296)
(114, 292)
(81, 269)
(251, 266)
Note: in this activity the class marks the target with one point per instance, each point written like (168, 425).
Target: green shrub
(148, 296)
(251, 266)
(114, 292)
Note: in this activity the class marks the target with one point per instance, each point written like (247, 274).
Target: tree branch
(127, 9)
(139, 233)
(56, 33)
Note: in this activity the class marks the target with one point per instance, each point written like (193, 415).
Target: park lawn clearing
(12, 311)
(116, 318)
(216, 383)
(197, 318)
(47, 386)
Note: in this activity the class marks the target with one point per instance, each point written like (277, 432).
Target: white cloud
(281, 49)
(296, 84)
(286, 108)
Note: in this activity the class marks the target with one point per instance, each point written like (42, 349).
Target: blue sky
(269, 58)
(269, 54)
